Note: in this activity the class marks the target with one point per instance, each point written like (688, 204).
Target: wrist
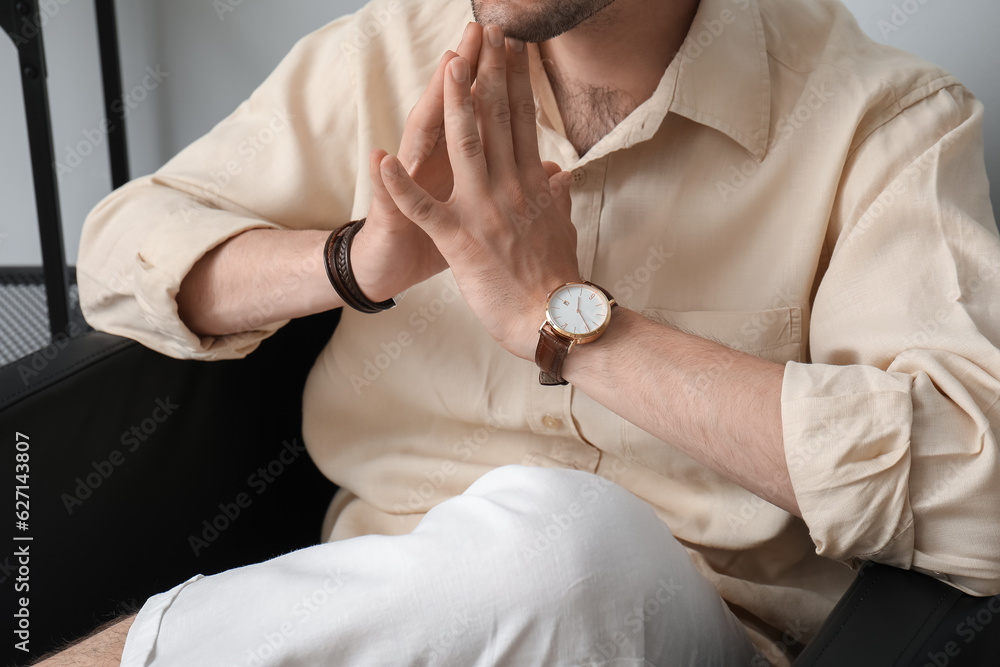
(376, 280)
(578, 313)
(603, 357)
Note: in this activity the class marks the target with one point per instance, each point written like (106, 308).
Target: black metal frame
(21, 20)
(111, 75)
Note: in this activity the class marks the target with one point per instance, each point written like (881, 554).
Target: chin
(538, 20)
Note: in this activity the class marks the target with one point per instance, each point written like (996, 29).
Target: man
(748, 175)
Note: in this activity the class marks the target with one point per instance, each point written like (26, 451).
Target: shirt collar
(724, 81)
(720, 79)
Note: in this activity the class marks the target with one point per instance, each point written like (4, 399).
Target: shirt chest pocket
(775, 335)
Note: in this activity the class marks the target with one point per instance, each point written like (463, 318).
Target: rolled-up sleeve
(890, 431)
(286, 159)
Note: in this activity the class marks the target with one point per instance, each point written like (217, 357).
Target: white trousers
(531, 566)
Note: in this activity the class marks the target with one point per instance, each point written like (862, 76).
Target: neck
(611, 63)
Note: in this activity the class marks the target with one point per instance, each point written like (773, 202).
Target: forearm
(719, 406)
(258, 277)
(104, 648)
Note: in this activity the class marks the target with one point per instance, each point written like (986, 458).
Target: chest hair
(590, 112)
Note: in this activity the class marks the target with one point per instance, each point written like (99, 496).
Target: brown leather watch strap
(549, 355)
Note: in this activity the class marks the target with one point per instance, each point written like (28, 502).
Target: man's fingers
(471, 44)
(412, 200)
(465, 148)
(374, 173)
(494, 105)
(426, 120)
(424, 124)
(522, 106)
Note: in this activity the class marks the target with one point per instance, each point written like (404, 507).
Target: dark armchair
(146, 470)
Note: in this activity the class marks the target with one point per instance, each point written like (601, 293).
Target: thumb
(551, 168)
(559, 184)
(411, 199)
(382, 195)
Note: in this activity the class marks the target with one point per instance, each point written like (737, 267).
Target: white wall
(959, 35)
(210, 61)
(76, 99)
(207, 62)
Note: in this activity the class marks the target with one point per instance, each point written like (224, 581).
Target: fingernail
(389, 168)
(459, 70)
(516, 44)
(496, 35)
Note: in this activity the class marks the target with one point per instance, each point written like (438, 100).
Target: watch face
(579, 311)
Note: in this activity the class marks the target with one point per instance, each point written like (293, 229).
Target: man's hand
(505, 229)
(222, 294)
(398, 253)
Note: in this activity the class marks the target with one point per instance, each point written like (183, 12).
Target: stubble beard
(543, 21)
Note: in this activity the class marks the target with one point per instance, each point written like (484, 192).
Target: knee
(578, 557)
(585, 527)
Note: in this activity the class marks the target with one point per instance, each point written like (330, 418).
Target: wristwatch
(575, 313)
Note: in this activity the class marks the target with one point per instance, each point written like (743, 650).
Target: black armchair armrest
(146, 470)
(896, 618)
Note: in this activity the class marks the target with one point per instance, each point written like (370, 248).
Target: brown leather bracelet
(338, 269)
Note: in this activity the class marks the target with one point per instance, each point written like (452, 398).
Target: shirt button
(579, 177)
(552, 423)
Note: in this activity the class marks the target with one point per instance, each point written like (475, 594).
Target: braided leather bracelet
(338, 268)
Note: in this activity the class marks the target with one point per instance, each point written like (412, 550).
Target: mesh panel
(24, 315)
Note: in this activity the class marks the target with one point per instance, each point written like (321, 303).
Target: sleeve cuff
(140, 646)
(846, 434)
(162, 263)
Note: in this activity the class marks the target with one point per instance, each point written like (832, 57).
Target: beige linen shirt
(791, 189)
